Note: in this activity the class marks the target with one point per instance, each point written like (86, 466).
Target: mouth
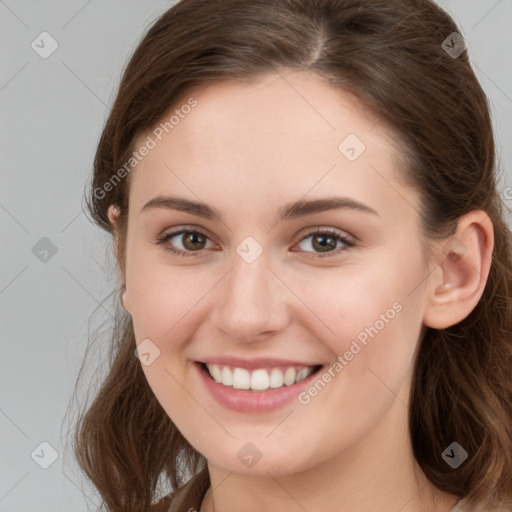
(259, 379)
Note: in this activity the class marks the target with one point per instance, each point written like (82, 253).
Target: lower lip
(253, 401)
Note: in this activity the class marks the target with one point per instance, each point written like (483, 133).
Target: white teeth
(241, 378)
(216, 373)
(276, 378)
(302, 374)
(289, 376)
(227, 377)
(258, 380)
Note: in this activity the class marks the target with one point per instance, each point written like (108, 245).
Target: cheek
(376, 325)
(373, 320)
(162, 296)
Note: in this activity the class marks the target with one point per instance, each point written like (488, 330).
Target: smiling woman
(316, 267)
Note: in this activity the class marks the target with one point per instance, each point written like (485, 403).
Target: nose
(251, 301)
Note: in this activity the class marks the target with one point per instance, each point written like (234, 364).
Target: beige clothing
(463, 506)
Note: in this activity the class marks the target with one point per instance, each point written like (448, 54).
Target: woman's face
(258, 295)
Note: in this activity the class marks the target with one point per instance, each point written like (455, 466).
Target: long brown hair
(390, 54)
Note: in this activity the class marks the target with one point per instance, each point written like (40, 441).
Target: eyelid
(335, 231)
(185, 228)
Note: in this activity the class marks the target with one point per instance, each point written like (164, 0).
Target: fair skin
(247, 149)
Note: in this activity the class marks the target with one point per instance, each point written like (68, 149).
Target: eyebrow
(290, 211)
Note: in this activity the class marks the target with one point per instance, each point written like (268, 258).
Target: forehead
(273, 114)
(280, 136)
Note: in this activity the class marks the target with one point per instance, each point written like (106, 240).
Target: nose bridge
(251, 302)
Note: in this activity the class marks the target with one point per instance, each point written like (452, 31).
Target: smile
(260, 379)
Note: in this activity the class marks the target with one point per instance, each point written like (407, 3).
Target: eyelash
(347, 242)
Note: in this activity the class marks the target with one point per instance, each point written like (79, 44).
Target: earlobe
(124, 299)
(464, 261)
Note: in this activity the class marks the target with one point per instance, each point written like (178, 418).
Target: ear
(113, 216)
(464, 263)
(124, 299)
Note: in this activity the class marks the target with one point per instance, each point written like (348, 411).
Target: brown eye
(324, 242)
(192, 242)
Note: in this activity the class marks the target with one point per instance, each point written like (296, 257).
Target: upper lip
(254, 364)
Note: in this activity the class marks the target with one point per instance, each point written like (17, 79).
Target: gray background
(51, 112)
